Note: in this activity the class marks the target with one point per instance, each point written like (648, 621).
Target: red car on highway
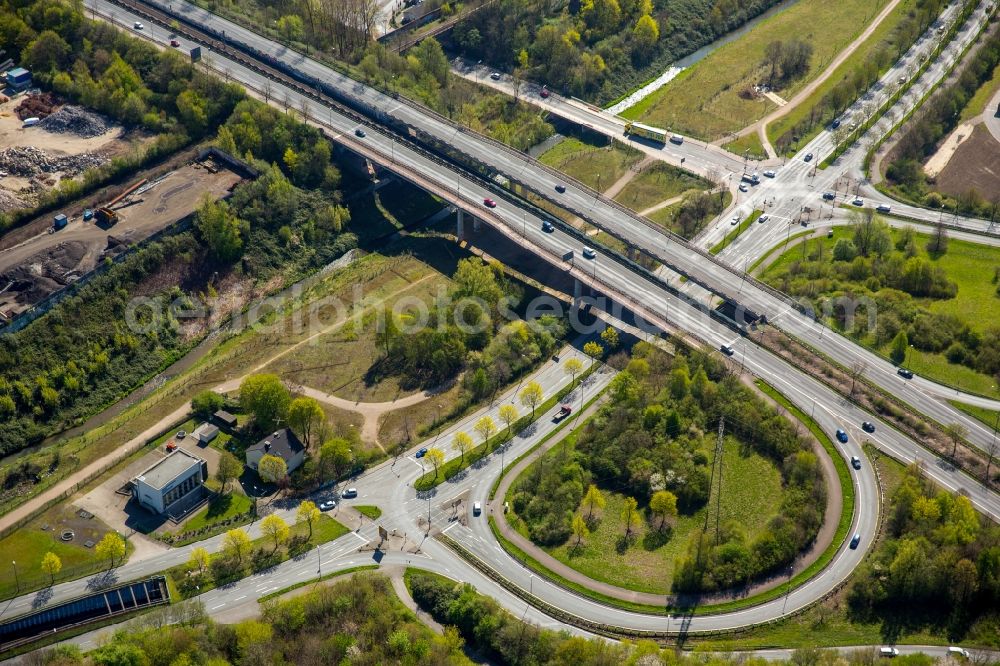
(489, 203)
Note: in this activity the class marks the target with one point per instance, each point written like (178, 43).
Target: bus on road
(646, 132)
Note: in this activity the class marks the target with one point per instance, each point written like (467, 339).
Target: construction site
(77, 240)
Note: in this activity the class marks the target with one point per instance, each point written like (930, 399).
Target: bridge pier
(475, 224)
(460, 224)
(577, 291)
(631, 252)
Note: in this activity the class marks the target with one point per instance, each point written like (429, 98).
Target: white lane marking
(217, 607)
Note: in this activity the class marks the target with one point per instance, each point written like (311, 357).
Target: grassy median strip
(730, 237)
(455, 465)
(843, 526)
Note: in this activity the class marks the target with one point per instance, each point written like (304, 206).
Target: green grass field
(593, 164)
(751, 495)
(978, 103)
(970, 265)
(219, 509)
(658, 182)
(372, 512)
(705, 100)
(860, 55)
(748, 145)
(986, 416)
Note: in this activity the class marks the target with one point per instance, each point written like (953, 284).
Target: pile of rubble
(9, 201)
(37, 106)
(28, 161)
(76, 120)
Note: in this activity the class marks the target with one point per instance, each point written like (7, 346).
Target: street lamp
(16, 581)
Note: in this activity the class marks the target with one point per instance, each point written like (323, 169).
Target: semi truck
(751, 178)
(646, 132)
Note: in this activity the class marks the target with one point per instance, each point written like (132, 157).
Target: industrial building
(18, 79)
(173, 485)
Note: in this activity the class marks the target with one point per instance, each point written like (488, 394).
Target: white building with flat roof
(169, 481)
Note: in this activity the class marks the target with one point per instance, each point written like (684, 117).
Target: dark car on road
(842, 437)
(904, 373)
(548, 227)
(327, 505)
(855, 462)
(560, 188)
(855, 540)
(360, 133)
(421, 452)
(727, 350)
(809, 157)
(868, 426)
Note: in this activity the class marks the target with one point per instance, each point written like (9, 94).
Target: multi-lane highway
(391, 486)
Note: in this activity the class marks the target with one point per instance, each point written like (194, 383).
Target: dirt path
(823, 539)
(939, 160)
(634, 171)
(760, 127)
(82, 476)
(371, 411)
(663, 204)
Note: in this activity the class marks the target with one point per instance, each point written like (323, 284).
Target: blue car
(842, 437)
(856, 540)
(422, 452)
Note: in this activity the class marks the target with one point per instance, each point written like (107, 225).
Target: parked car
(905, 373)
(171, 447)
(181, 434)
(727, 350)
(421, 452)
(138, 25)
(360, 133)
(489, 203)
(327, 505)
(477, 508)
(808, 157)
(868, 426)
(589, 253)
(548, 227)
(855, 462)
(495, 76)
(349, 493)
(888, 652)
(842, 436)
(855, 540)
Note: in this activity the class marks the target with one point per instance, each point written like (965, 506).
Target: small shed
(18, 78)
(205, 433)
(60, 221)
(225, 419)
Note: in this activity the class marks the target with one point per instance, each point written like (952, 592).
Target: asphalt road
(387, 484)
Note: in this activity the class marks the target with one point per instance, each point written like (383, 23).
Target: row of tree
(865, 73)
(937, 117)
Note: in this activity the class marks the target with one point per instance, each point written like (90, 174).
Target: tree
(304, 415)
(462, 443)
(531, 396)
(630, 515)
(956, 433)
(900, 343)
(272, 468)
(335, 456)
(435, 457)
(307, 513)
(229, 468)
(205, 403)
(664, 505)
(938, 244)
(858, 369)
(508, 414)
(594, 499)
(111, 547)
(610, 337)
(266, 397)
(237, 544)
(275, 528)
(573, 367)
(485, 427)
(645, 35)
(51, 564)
(580, 529)
(594, 350)
(221, 229)
(199, 558)
(290, 27)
